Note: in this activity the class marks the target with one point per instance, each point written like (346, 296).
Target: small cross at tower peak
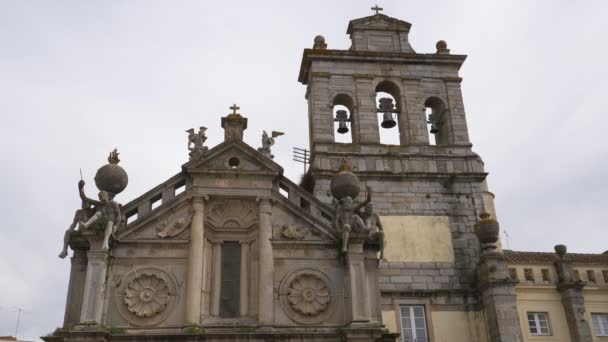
(234, 108)
(377, 9)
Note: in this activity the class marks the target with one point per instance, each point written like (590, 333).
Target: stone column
(266, 268)
(499, 299)
(244, 295)
(78, 272)
(94, 288)
(217, 279)
(571, 291)
(357, 283)
(497, 288)
(194, 280)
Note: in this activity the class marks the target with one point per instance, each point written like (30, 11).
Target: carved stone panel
(306, 296)
(146, 296)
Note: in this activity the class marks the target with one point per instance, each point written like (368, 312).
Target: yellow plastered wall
(595, 302)
(446, 326)
(458, 326)
(540, 300)
(417, 239)
(389, 319)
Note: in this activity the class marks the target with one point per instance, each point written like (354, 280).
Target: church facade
(380, 242)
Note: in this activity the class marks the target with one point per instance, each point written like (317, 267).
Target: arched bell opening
(342, 111)
(435, 114)
(388, 109)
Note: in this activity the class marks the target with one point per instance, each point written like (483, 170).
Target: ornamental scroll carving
(147, 295)
(308, 295)
(294, 232)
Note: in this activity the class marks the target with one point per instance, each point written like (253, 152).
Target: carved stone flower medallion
(308, 295)
(147, 295)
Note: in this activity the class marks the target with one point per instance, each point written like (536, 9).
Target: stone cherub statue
(347, 218)
(267, 142)
(372, 222)
(108, 213)
(83, 214)
(196, 142)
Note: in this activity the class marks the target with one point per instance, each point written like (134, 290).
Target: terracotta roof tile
(548, 258)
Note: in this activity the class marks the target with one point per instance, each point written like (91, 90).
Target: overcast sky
(78, 78)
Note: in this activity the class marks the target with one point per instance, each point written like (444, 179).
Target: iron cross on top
(377, 9)
(234, 108)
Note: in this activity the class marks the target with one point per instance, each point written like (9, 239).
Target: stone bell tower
(429, 186)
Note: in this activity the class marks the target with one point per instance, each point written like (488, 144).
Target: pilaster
(194, 280)
(266, 265)
(357, 284)
(78, 272)
(244, 290)
(499, 299)
(571, 291)
(94, 288)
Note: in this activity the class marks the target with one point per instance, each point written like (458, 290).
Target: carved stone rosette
(308, 294)
(147, 295)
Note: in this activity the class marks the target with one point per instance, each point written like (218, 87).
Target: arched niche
(343, 116)
(388, 107)
(436, 116)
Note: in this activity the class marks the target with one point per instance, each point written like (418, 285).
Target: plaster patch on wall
(390, 320)
(417, 239)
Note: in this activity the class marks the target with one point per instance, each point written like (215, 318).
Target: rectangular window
(413, 323)
(591, 276)
(539, 323)
(600, 323)
(231, 279)
(513, 273)
(545, 273)
(605, 275)
(528, 275)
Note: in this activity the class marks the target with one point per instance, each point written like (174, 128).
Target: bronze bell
(342, 129)
(434, 128)
(388, 121)
(342, 117)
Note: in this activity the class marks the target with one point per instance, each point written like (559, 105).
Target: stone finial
(234, 124)
(442, 48)
(560, 250)
(319, 43)
(487, 231)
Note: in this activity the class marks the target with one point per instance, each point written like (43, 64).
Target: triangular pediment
(378, 22)
(233, 156)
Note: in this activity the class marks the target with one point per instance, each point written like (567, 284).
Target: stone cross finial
(377, 9)
(234, 108)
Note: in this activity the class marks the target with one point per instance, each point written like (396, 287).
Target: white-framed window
(600, 323)
(413, 323)
(539, 323)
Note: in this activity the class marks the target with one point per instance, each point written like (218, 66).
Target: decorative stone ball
(560, 250)
(345, 183)
(487, 231)
(319, 40)
(111, 178)
(441, 45)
